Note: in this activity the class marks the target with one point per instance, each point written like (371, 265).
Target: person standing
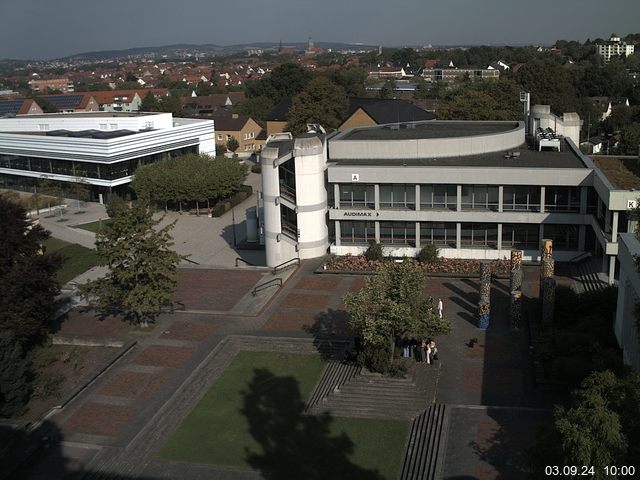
(433, 351)
(440, 306)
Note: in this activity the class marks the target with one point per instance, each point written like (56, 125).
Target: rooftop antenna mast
(525, 98)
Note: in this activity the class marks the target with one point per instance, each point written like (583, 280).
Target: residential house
(61, 84)
(364, 112)
(244, 129)
(20, 106)
(125, 100)
(614, 47)
(74, 102)
(210, 104)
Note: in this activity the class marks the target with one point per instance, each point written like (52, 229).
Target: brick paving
(302, 300)
(212, 289)
(189, 331)
(164, 356)
(326, 282)
(133, 385)
(78, 322)
(99, 419)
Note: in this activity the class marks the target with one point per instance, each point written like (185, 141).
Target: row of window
(73, 168)
(474, 197)
(477, 235)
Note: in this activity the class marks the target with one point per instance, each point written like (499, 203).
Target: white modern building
(474, 189)
(626, 324)
(101, 150)
(614, 47)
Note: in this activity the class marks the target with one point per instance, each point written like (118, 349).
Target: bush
(14, 368)
(375, 358)
(257, 168)
(374, 253)
(48, 384)
(398, 369)
(429, 254)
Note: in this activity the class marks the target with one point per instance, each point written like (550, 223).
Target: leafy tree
(149, 103)
(27, 277)
(404, 57)
(352, 79)
(14, 368)
(256, 107)
(232, 144)
(388, 89)
(601, 427)
(630, 140)
(549, 84)
(142, 267)
(285, 80)
(392, 305)
(171, 104)
(322, 101)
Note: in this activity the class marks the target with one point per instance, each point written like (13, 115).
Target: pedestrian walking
(440, 307)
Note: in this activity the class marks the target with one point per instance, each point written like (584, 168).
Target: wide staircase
(426, 445)
(350, 392)
(587, 275)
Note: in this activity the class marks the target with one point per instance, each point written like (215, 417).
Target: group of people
(423, 351)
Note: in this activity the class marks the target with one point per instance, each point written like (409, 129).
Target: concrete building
(474, 189)
(62, 84)
(626, 323)
(451, 74)
(100, 150)
(614, 47)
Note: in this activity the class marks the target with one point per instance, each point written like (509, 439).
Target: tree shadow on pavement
(294, 445)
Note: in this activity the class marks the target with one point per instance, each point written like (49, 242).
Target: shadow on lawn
(294, 445)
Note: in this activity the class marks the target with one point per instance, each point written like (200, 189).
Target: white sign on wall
(631, 204)
(355, 177)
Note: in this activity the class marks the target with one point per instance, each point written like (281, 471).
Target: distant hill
(207, 49)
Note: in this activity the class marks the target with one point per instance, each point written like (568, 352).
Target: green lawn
(78, 259)
(92, 226)
(252, 417)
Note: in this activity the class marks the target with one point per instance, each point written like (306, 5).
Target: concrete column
(614, 228)
(336, 195)
(377, 230)
(376, 194)
(542, 190)
(500, 202)
(338, 233)
(417, 202)
(500, 235)
(417, 234)
(612, 269)
(607, 221)
(458, 235)
(583, 200)
(582, 233)
(540, 237)
(459, 198)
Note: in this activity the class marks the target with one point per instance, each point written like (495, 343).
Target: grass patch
(256, 406)
(77, 259)
(92, 226)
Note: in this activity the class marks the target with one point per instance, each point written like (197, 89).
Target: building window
(479, 197)
(565, 237)
(43, 127)
(479, 235)
(398, 233)
(524, 198)
(358, 196)
(562, 199)
(358, 233)
(401, 196)
(438, 197)
(287, 174)
(522, 236)
(289, 222)
(219, 137)
(441, 234)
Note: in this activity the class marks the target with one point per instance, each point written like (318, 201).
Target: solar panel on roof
(10, 106)
(64, 102)
(58, 133)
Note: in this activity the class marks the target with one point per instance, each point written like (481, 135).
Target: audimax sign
(360, 214)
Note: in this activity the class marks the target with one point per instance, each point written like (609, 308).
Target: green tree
(388, 89)
(549, 84)
(322, 102)
(149, 103)
(392, 305)
(14, 373)
(232, 144)
(481, 100)
(142, 267)
(27, 277)
(630, 140)
(171, 104)
(352, 79)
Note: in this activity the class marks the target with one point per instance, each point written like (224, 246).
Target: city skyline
(39, 30)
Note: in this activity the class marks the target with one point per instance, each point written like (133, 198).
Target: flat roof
(428, 129)
(527, 159)
(87, 114)
(622, 172)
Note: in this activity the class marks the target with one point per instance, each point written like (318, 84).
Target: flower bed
(359, 263)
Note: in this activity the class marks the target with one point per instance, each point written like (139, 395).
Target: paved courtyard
(119, 423)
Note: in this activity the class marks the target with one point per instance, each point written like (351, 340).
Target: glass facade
(359, 196)
(398, 196)
(562, 199)
(520, 235)
(438, 197)
(479, 197)
(398, 233)
(287, 175)
(358, 233)
(442, 234)
(97, 170)
(565, 237)
(289, 221)
(521, 198)
(479, 235)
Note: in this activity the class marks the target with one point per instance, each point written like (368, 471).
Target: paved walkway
(122, 420)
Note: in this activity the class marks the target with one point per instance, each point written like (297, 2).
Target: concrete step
(425, 447)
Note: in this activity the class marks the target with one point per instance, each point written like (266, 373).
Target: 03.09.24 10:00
(588, 471)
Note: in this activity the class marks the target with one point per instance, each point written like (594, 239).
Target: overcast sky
(42, 29)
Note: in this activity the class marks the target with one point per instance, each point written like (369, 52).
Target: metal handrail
(238, 259)
(580, 257)
(266, 285)
(286, 264)
(191, 261)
